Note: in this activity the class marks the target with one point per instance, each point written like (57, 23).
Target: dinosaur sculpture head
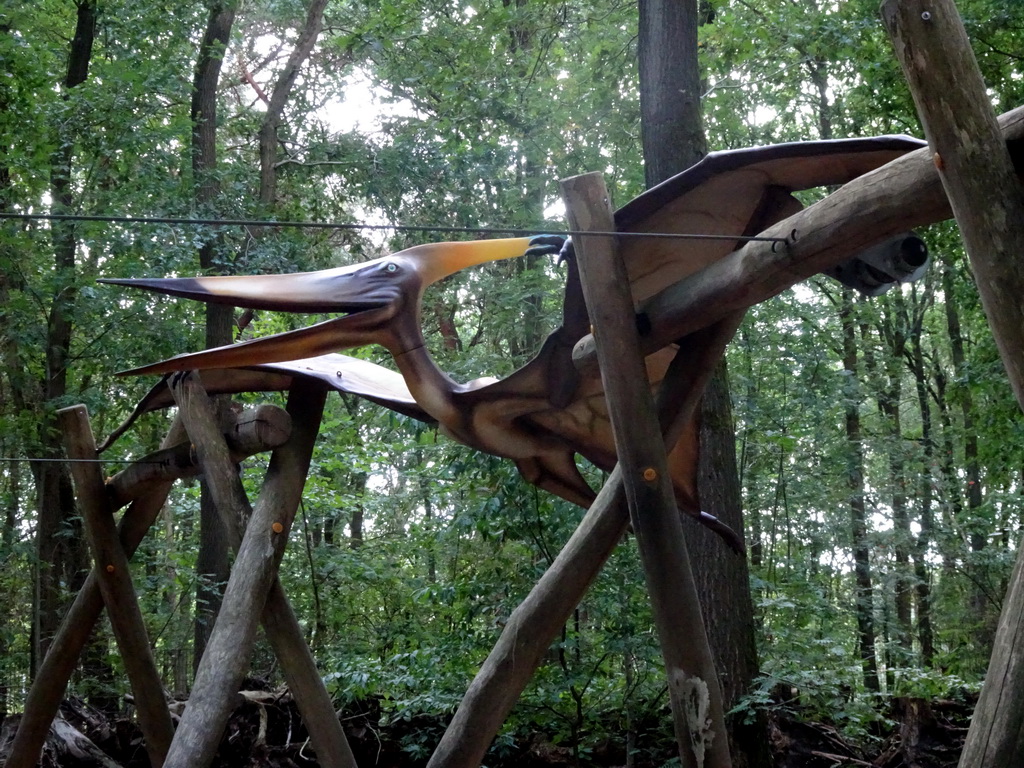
(380, 299)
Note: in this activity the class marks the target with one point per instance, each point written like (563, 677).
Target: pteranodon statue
(544, 413)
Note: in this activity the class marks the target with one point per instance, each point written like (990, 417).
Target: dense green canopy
(882, 427)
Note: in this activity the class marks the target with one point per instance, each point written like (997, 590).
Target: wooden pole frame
(147, 487)
(987, 199)
(110, 564)
(694, 691)
(755, 272)
(253, 580)
(148, 492)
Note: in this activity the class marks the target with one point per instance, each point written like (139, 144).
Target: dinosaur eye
(391, 267)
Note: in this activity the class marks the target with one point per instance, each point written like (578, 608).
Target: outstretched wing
(341, 372)
(728, 195)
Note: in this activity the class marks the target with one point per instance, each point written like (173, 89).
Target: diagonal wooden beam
(115, 584)
(899, 196)
(257, 593)
(694, 691)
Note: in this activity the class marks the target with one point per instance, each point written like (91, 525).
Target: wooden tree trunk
(671, 126)
(723, 578)
(212, 560)
(988, 202)
(864, 604)
(886, 379)
(8, 363)
(925, 481)
(968, 518)
(268, 137)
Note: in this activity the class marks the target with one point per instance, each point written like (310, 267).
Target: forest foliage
(410, 551)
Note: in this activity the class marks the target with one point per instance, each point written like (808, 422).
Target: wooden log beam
(253, 588)
(694, 691)
(537, 621)
(279, 620)
(51, 681)
(255, 430)
(899, 196)
(115, 584)
(988, 202)
(973, 164)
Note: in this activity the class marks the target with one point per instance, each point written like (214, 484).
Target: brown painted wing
(341, 372)
(732, 193)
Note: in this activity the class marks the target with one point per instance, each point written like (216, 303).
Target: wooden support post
(47, 690)
(901, 195)
(115, 584)
(693, 682)
(279, 620)
(53, 675)
(988, 202)
(253, 590)
(537, 621)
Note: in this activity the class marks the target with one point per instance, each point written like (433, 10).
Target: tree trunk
(671, 124)
(922, 577)
(886, 378)
(268, 137)
(970, 520)
(723, 579)
(212, 560)
(59, 545)
(7, 539)
(864, 603)
(673, 139)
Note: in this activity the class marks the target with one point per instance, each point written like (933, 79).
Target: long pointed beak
(330, 290)
(381, 298)
(354, 288)
(328, 336)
